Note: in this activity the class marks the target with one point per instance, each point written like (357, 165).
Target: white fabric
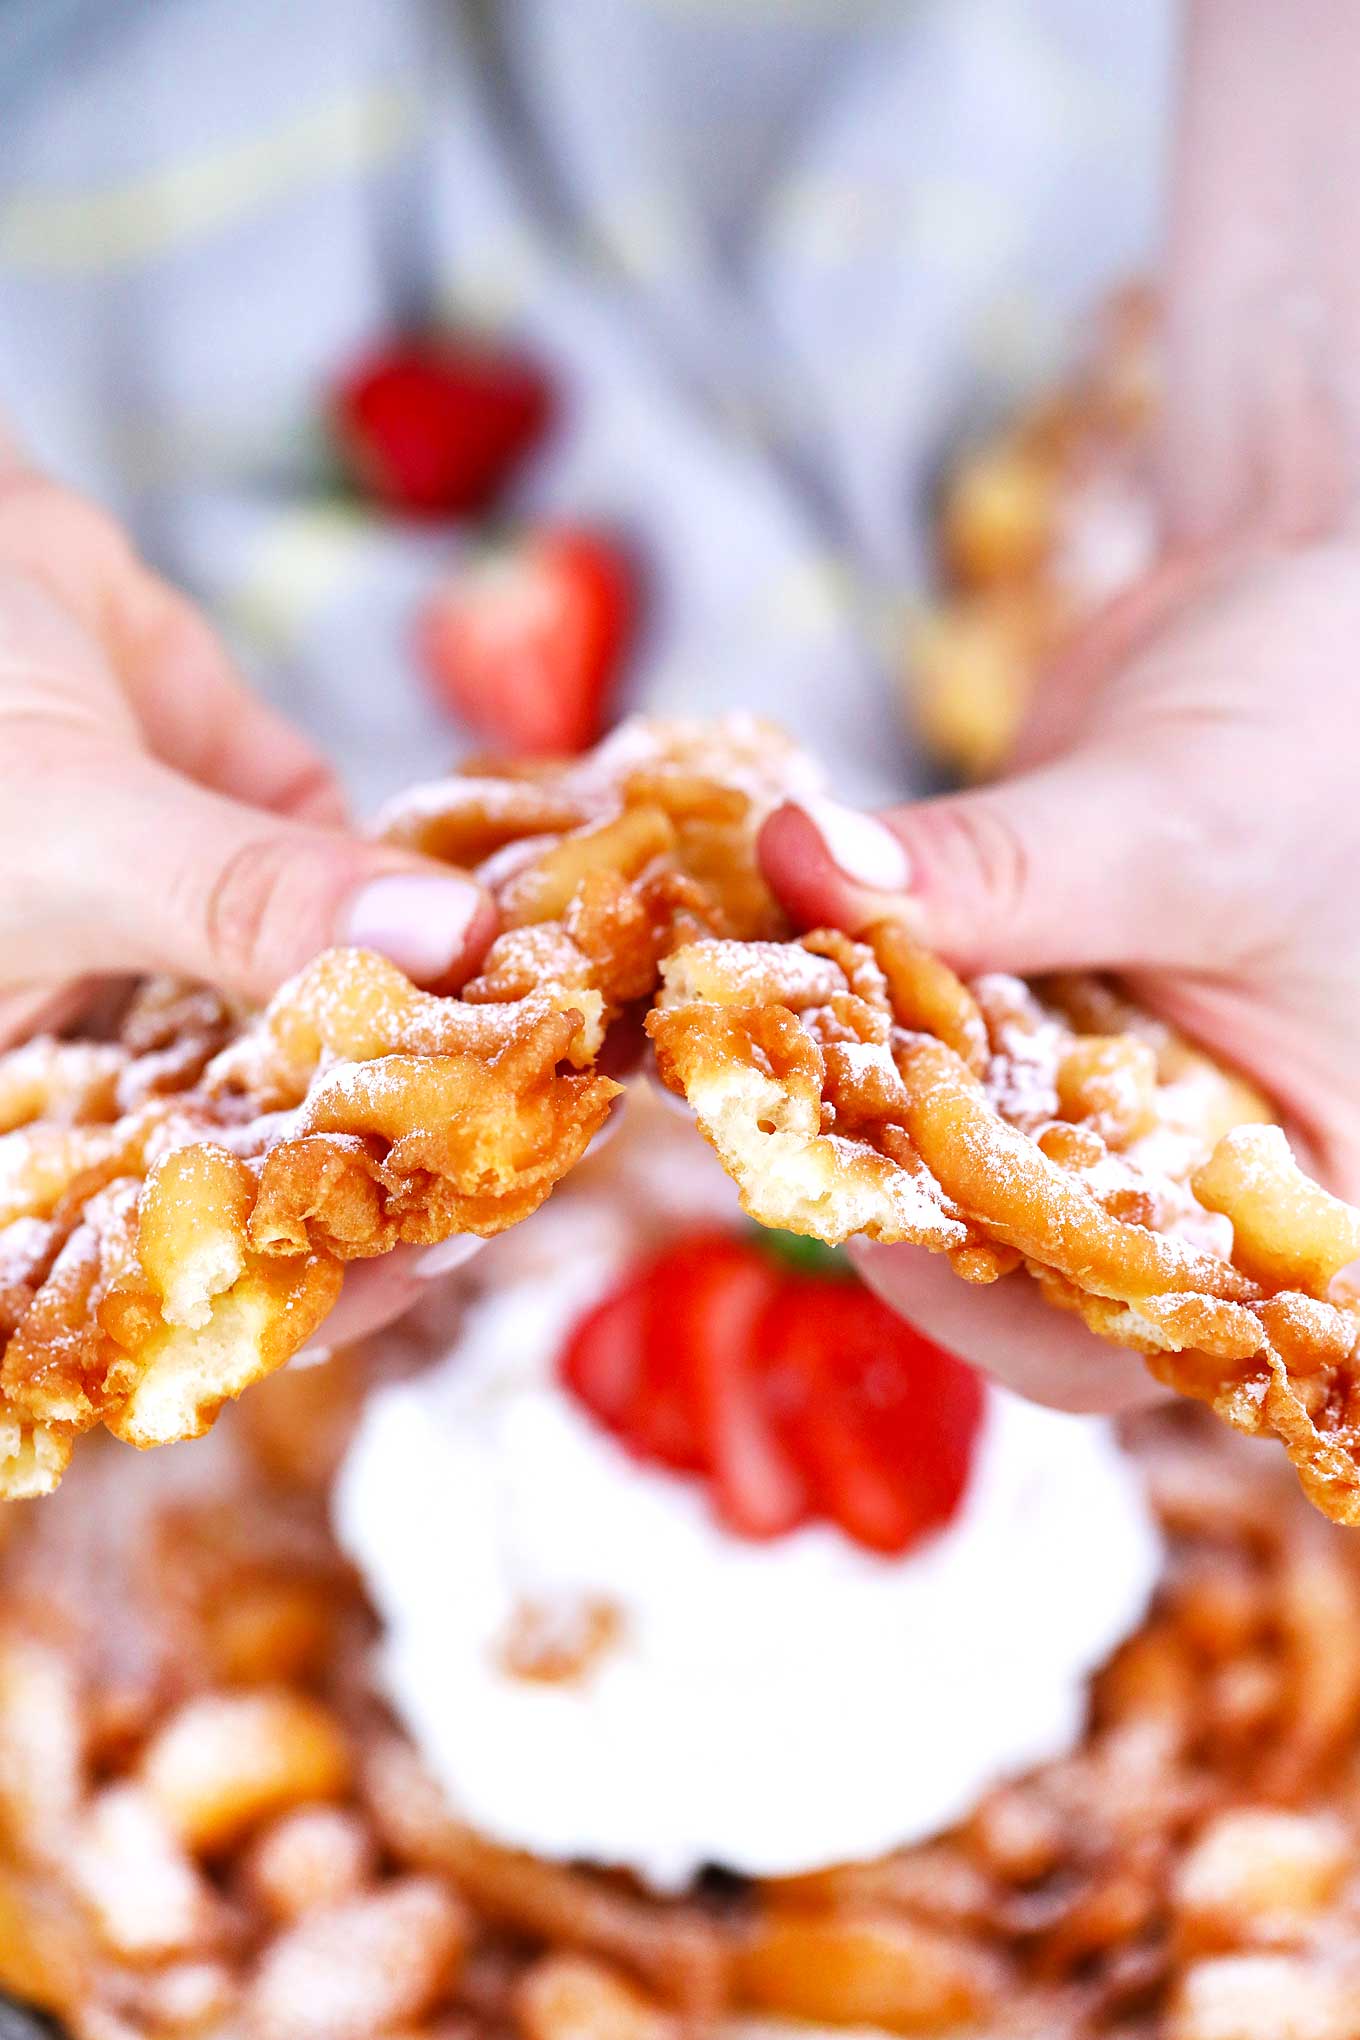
(780, 252)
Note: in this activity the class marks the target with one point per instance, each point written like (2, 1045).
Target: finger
(1118, 631)
(90, 622)
(39, 1010)
(1010, 1332)
(1079, 864)
(198, 715)
(150, 871)
(376, 1293)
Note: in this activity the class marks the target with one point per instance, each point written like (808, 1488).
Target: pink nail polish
(421, 923)
(861, 849)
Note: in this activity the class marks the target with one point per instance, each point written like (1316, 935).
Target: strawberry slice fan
(764, 1367)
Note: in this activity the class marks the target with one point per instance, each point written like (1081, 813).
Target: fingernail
(861, 849)
(449, 1254)
(421, 923)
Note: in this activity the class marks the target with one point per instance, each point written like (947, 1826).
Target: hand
(1184, 812)
(153, 814)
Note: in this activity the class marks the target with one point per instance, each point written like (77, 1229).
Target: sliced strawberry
(709, 1297)
(525, 644)
(601, 1357)
(663, 1419)
(881, 1421)
(820, 1424)
(926, 1408)
(435, 426)
(796, 1394)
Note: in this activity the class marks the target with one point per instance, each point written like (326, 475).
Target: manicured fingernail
(861, 849)
(420, 922)
(448, 1255)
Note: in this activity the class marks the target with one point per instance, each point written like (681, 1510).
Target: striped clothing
(776, 248)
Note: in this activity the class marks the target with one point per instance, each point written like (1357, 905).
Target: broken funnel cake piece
(177, 1203)
(862, 1088)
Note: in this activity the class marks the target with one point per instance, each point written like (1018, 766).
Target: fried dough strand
(863, 1089)
(178, 1202)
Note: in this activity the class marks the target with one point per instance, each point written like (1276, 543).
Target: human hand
(1182, 811)
(153, 814)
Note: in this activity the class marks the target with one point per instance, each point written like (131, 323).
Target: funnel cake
(210, 1825)
(177, 1203)
(860, 1088)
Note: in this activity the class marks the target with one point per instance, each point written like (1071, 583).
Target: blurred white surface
(777, 254)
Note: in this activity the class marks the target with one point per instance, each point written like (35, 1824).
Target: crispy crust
(177, 1204)
(862, 1089)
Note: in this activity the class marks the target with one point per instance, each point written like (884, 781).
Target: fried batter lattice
(861, 1088)
(177, 1203)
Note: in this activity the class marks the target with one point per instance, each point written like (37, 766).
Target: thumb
(157, 873)
(1079, 864)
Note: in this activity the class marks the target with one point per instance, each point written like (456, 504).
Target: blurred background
(725, 282)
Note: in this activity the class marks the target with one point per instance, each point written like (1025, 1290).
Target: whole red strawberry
(436, 427)
(525, 643)
(796, 1393)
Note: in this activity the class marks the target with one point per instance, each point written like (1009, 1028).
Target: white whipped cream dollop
(767, 1707)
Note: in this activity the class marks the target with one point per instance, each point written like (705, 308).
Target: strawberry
(795, 1392)
(436, 427)
(881, 1420)
(599, 1363)
(708, 1296)
(525, 643)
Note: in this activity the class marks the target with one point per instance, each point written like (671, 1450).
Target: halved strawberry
(798, 1394)
(436, 426)
(601, 1358)
(709, 1297)
(881, 1421)
(525, 643)
(925, 1407)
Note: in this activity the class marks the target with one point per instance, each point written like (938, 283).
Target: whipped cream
(768, 1707)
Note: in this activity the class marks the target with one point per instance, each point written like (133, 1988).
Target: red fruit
(662, 1420)
(708, 1298)
(601, 1358)
(525, 644)
(436, 427)
(881, 1421)
(797, 1394)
